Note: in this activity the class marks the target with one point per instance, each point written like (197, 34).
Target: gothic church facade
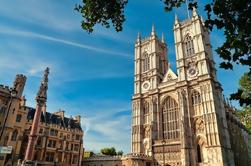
(183, 119)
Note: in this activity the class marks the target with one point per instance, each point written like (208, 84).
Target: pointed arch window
(160, 63)
(188, 46)
(196, 102)
(145, 62)
(146, 112)
(199, 154)
(196, 98)
(14, 135)
(170, 115)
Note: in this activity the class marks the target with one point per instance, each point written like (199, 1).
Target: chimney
(78, 119)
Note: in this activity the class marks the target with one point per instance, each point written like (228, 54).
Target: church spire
(163, 38)
(138, 37)
(153, 33)
(195, 14)
(176, 19)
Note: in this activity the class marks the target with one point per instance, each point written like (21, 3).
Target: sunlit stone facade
(183, 119)
(59, 138)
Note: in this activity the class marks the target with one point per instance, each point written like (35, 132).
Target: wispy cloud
(22, 33)
(106, 122)
(109, 130)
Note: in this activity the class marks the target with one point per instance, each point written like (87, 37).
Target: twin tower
(180, 119)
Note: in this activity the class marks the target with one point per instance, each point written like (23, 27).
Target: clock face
(192, 71)
(146, 85)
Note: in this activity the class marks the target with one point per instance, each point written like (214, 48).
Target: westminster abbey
(182, 118)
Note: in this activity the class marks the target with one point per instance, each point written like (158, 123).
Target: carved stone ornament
(146, 85)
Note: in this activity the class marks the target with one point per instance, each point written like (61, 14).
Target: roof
(51, 118)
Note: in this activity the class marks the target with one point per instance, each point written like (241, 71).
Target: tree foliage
(109, 151)
(245, 117)
(120, 153)
(244, 92)
(104, 12)
(234, 18)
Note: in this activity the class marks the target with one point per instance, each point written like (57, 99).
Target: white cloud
(106, 123)
(16, 32)
(113, 131)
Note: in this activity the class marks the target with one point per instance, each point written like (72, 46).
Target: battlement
(124, 157)
(231, 117)
(103, 157)
(21, 75)
(137, 156)
(5, 88)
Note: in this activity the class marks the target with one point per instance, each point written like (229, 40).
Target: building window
(76, 147)
(14, 135)
(61, 145)
(146, 112)
(160, 64)
(39, 141)
(52, 144)
(75, 159)
(6, 138)
(2, 109)
(53, 132)
(196, 99)
(199, 154)
(188, 46)
(49, 156)
(145, 62)
(67, 146)
(18, 118)
(40, 131)
(77, 137)
(61, 135)
(170, 116)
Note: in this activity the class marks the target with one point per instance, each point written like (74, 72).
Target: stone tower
(179, 119)
(203, 119)
(19, 84)
(150, 67)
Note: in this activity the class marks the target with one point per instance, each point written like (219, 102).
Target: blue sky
(90, 74)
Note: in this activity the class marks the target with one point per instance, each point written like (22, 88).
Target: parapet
(137, 156)
(5, 89)
(103, 158)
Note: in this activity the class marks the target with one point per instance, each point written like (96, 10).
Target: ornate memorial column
(41, 103)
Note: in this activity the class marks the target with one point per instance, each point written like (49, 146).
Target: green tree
(243, 94)
(104, 12)
(109, 151)
(244, 97)
(231, 16)
(120, 153)
(245, 117)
